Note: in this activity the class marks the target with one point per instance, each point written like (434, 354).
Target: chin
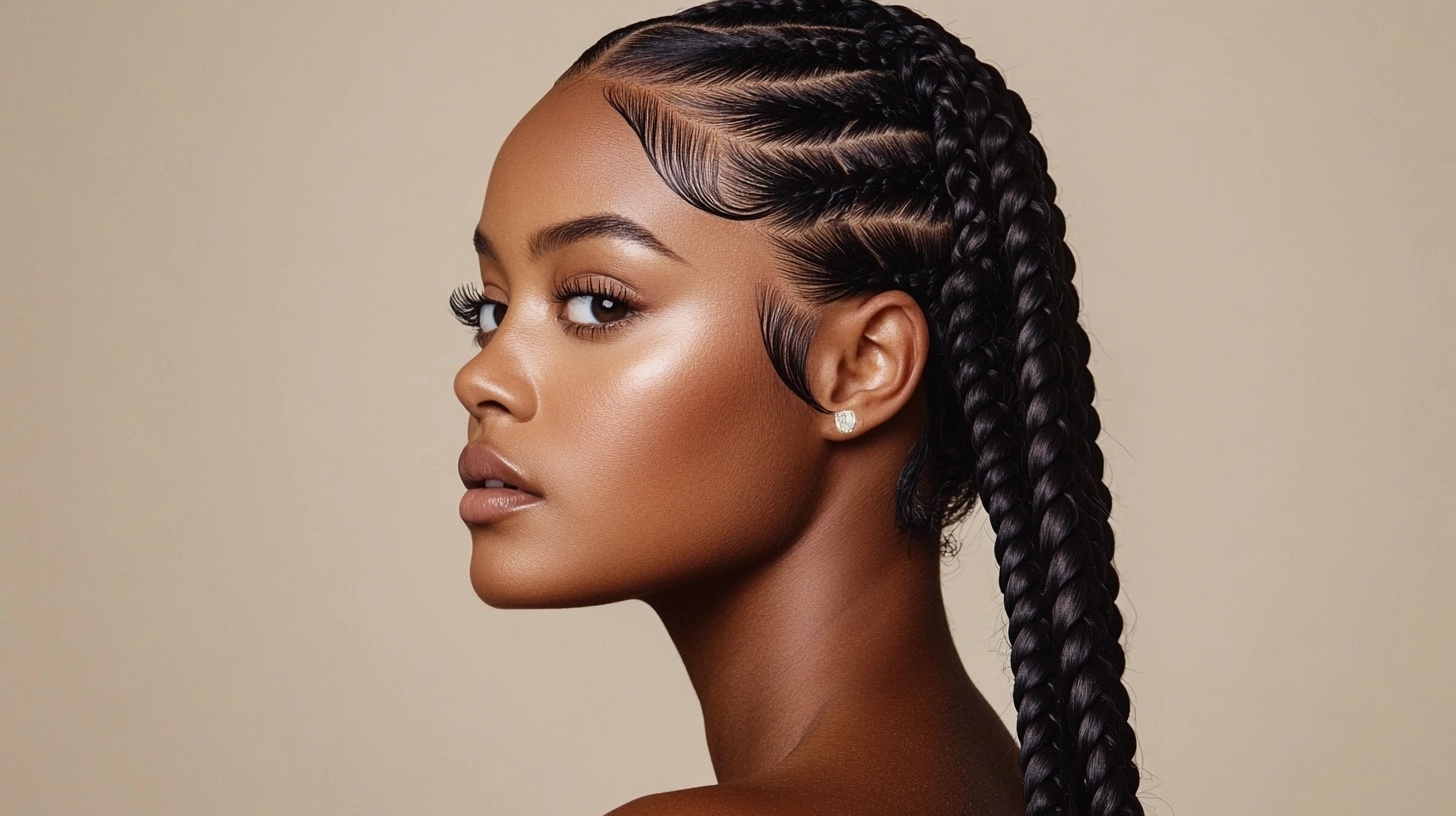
(512, 568)
(504, 582)
(514, 589)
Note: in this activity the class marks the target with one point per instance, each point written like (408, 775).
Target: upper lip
(480, 462)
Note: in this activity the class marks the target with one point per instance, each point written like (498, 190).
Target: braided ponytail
(1060, 426)
(882, 154)
(1082, 585)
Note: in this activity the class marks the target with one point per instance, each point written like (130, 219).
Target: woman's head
(877, 154)
(624, 373)
(839, 170)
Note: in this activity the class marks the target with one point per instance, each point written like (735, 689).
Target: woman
(773, 291)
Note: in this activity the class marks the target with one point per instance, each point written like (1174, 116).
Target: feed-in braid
(880, 154)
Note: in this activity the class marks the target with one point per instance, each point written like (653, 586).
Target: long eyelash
(465, 302)
(605, 287)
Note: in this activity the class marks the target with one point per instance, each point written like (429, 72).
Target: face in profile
(622, 375)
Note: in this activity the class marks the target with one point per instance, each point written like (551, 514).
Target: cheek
(715, 459)
(689, 458)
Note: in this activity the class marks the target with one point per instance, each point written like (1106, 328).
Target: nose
(496, 380)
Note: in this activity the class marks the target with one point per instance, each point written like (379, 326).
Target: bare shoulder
(776, 799)
(712, 800)
(719, 800)
(934, 770)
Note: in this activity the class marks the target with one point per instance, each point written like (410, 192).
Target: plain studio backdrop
(233, 579)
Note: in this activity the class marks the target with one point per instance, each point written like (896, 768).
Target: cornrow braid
(773, 12)
(880, 154)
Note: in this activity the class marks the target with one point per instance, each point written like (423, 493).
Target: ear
(867, 355)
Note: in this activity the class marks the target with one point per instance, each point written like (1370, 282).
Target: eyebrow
(605, 225)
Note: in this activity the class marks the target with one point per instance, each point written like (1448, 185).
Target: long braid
(796, 106)
(970, 296)
(1083, 583)
(1105, 729)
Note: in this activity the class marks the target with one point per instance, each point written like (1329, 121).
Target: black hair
(882, 154)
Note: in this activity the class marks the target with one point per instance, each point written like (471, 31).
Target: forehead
(573, 155)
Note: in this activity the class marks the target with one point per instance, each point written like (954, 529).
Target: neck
(849, 610)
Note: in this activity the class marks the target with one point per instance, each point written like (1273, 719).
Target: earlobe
(869, 353)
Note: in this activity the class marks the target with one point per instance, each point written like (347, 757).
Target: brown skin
(677, 468)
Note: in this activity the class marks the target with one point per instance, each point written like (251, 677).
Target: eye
(594, 306)
(490, 316)
(477, 311)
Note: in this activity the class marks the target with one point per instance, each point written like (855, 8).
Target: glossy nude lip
(485, 505)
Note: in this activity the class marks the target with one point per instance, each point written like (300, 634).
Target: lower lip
(485, 505)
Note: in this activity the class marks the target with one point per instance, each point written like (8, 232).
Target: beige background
(233, 580)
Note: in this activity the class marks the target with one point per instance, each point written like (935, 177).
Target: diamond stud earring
(844, 420)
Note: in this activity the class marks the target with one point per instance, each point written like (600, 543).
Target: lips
(482, 467)
(497, 490)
